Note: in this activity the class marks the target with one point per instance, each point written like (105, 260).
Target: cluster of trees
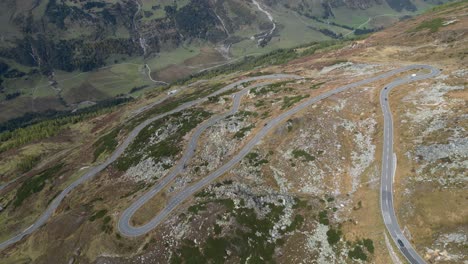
(3, 68)
(21, 136)
(330, 33)
(43, 46)
(7, 72)
(36, 126)
(12, 96)
(400, 5)
(92, 4)
(364, 31)
(70, 54)
(195, 19)
(57, 13)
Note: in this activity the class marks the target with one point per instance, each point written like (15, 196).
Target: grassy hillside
(61, 55)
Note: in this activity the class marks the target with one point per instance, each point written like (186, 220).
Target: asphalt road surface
(120, 149)
(388, 165)
(388, 168)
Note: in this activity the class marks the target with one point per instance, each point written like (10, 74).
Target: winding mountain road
(388, 168)
(124, 222)
(49, 211)
(388, 162)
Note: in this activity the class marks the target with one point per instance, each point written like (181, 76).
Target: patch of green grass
(297, 223)
(245, 114)
(106, 219)
(252, 156)
(369, 244)
(260, 103)
(97, 215)
(432, 25)
(241, 133)
(316, 85)
(228, 203)
(298, 203)
(289, 101)
(204, 194)
(217, 229)
(254, 159)
(313, 47)
(194, 209)
(188, 253)
(357, 253)
(359, 206)
(299, 153)
(35, 184)
(448, 6)
(215, 249)
(273, 88)
(333, 236)
(28, 162)
(323, 218)
(106, 226)
(106, 143)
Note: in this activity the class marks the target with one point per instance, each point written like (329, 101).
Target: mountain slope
(53, 52)
(308, 192)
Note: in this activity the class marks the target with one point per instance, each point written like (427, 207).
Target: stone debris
(439, 163)
(148, 170)
(461, 73)
(317, 244)
(364, 151)
(438, 255)
(457, 149)
(337, 66)
(453, 238)
(280, 179)
(352, 69)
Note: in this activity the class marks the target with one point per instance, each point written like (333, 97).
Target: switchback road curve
(387, 209)
(49, 211)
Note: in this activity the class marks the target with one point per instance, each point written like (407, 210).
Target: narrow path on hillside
(151, 78)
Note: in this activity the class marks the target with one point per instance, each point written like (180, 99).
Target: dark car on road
(400, 243)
